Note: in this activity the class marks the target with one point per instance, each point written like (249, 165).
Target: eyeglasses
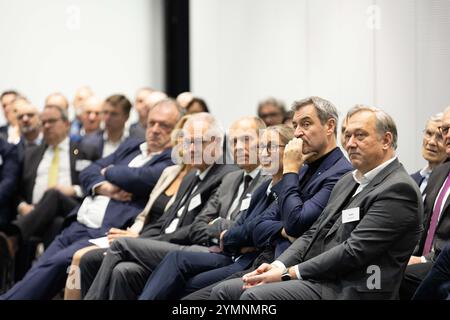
(50, 121)
(271, 147)
(270, 115)
(29, 115)
(437, 135)
(443, 130)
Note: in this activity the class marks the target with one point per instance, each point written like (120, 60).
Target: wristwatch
(285, 276)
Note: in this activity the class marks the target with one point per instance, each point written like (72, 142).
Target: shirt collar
(253, 173)
(122, 138)
(269, 188)
(425, 172)
(368, 177)
(64, 145)
(144, 150)
(202, 175)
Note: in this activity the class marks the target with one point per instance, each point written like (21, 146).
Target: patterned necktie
(435, 217)
(54, 168)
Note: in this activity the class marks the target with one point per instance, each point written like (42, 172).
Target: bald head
(184, 98)
(81, 95)
(57, 99)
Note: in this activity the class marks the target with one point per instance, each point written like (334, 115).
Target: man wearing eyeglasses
(436, 222)
(433, 151)
(30, 127)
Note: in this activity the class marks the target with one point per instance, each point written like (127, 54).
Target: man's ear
(387, 140)
(331, 126)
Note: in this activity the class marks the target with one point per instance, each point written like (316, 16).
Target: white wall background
(114, 46)
(391, 54)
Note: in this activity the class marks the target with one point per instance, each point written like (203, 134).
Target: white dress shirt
(64, 173)
(93, 209)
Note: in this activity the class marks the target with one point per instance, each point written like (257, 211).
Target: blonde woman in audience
(160, 200)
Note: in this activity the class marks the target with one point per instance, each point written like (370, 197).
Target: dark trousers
(48, 276)
(42, 224)
(414, 274)
(89, 265)
(40, 221)
(182, 272)
(205, 293)
(128, 264)
(436, 285)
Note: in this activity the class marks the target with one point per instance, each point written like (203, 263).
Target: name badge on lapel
(80, 165)
(245, 203)
(350, 215)
(1, 160)
(195, 202)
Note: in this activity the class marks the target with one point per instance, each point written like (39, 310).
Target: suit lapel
(357, 199)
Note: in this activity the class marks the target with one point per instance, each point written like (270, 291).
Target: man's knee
(227, 290)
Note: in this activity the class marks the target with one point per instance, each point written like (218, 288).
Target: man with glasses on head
(433, 151)
(118, 187)
(436, 224)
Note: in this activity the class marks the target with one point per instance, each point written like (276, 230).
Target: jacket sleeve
(138, 181)
(9, 175)
(298, 215)
(91, 176)
(198, 229)
(374, 235)
(267, 226)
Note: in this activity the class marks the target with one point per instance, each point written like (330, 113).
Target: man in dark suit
(433, 151)
(436, 221)
(77, 127)
(90, 118)
(118, 188)
(9, 178)
(30, 128)
(172, 231)
(6, 99)
(359, 246)
(115, 110)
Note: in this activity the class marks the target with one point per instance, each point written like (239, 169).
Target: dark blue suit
(181, 272)
(9, 178)
(95, 139)
(48, 275)
(417, 177)
(298, 209)
(436, 285)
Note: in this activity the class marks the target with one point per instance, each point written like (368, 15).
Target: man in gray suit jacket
(360, 245)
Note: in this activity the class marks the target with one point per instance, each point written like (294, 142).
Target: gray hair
(383, 123)
(324, 108)
(173, 102)
(63, 112)
(435, 118)
(206, 119)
